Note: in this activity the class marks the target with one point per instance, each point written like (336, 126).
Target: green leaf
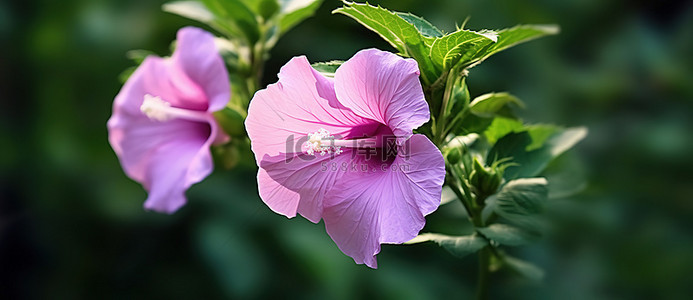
(235, 17)
(193, 10)
(471, 124)
(540, 134)
(562, 141)
(402, 35)
(532, 157)
(492, 113)
(566, 175)
(448, 50)
(524, 268)
(264, 8)
(459, 246)
(489, 105)
(510, 37)
(385, 23)
(500, 127)
(424, 27)
(522, 199)
(327, 68)
(292, 12)
(506, 234)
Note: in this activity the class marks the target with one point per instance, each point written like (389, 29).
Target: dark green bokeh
(72, 224)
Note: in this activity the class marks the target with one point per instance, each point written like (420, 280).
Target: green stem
(456, 189)
(484, 254)
(465, 197)
(482, 283)
(258, 65)
(474, 209)
(453, 123)
(444, 111)
(484, 259)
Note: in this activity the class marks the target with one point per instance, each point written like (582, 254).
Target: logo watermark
(382, 149)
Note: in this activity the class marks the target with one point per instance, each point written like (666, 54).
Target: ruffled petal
(301, 103)
(160, 78)
(387, 204)
(176, 165)
(198, 58)
(299, 182)
(383, 87)
(421, 173)
(279, 120)
(165, 157)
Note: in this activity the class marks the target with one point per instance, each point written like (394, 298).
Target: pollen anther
(321, 142)
(155, 108)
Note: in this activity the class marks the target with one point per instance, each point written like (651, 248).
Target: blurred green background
(72, 224)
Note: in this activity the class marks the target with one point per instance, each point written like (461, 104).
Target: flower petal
(176, 165)
(366, 209)
(158, 77)
(166, 157)
(279, 120)
(383, 87)
(300, 182)
(197, 56)
(301, 103)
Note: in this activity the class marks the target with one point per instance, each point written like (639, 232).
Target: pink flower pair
(340, 149)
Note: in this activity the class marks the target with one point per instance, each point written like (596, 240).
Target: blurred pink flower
(162, 125)
(343, 150)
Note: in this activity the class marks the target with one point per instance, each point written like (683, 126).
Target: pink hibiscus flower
(343, 150)
(162, 125)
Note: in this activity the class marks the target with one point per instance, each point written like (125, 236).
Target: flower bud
(485, 180)
(452, 155)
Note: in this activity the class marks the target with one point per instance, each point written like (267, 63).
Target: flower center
(323, 142)
(157, 109)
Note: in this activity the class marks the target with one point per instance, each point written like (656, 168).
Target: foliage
(494, 160)
(496, 180)
(72, 224)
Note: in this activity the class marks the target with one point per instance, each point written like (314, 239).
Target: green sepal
(485, 180)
